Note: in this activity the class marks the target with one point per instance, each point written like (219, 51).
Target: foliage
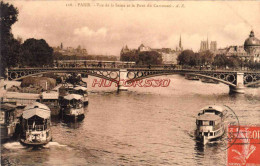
(36, 53)
(220, 60)
(59, 56)
(9, 46)
(130, 56)
(149, 58)
(142, 58)
(234, 62)
(8, 17)
(187, 57)
(13, 53)
(207, 57)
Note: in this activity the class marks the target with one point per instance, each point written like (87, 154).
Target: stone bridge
(236, 80)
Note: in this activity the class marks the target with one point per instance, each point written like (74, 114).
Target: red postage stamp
(244, 146)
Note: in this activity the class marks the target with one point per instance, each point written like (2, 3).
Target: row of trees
(188, 57)
(142, 58)
(31, 52)
(59, 56)
(14, 53)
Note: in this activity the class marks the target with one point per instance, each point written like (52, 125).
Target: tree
(195, 60)
(36, 53)
(207, 57)
(234, 62)
(220, 60)
(186, 57)
(9, 46)
(129, 56)
(149, 58)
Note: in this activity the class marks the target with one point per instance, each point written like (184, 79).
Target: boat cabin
(72, 107)
(8, 120)
(209, 120)
(36, 123)
(51, 99)
(72, 101)
(81, 90)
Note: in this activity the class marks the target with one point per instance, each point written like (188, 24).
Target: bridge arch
(115, 79)
(252, 83)
(194, 74)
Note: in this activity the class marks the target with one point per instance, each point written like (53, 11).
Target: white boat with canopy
(83, 91)
(36, 124)
(210, 123)
(72, 106)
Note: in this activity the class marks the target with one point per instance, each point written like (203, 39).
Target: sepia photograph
(129, 82)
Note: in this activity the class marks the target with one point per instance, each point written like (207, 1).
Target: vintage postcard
(110, 82)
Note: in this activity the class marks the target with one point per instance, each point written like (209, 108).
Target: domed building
(252, 47)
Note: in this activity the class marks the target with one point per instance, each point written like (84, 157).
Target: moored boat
(36, 125)
(208, 80)
(72, 107)
(210, 123)
(191, 77)
(8, 121)
(83, 92)
(51, 99)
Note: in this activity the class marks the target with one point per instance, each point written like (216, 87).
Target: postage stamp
(245, 149)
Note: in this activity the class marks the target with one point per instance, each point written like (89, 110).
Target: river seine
(143, 126)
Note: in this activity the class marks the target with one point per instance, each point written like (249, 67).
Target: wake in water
(13, 145)
(54, 144)
(18, 145)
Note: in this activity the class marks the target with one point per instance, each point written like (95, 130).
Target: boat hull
(7, 132)
(72, 118)
(205, 138)
(36, 138)
(26, 142)
(85, 103)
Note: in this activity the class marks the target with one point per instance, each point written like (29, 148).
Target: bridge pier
(122, 80)
(239, 88)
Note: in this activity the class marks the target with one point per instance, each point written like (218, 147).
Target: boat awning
(7, 107)
(17, 95)
(37, 105)
(209, 117)
(214, 107)
(81, 88)
(45, 114)
(73, 96)
(50, 95)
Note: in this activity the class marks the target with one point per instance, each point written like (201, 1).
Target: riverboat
(21, 99)
(210, 123)
(72, 107)
(208, 80)
(51, 99)
(8, 121)
(191, 77)
(36, 125)
(83, 92)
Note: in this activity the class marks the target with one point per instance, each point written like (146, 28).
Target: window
(199, 122)
(205, 123)
(2, 117)
(211, 133)
(211, 123)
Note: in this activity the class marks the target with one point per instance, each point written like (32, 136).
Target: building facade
(213, 46)
(204, 46)
(252, 47)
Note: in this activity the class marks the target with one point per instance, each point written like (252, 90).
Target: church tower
(180, 48)
(180, 44)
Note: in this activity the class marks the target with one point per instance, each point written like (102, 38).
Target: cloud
(86, 32)
(111, 28)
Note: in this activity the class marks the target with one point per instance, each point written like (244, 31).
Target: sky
(105, 30)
